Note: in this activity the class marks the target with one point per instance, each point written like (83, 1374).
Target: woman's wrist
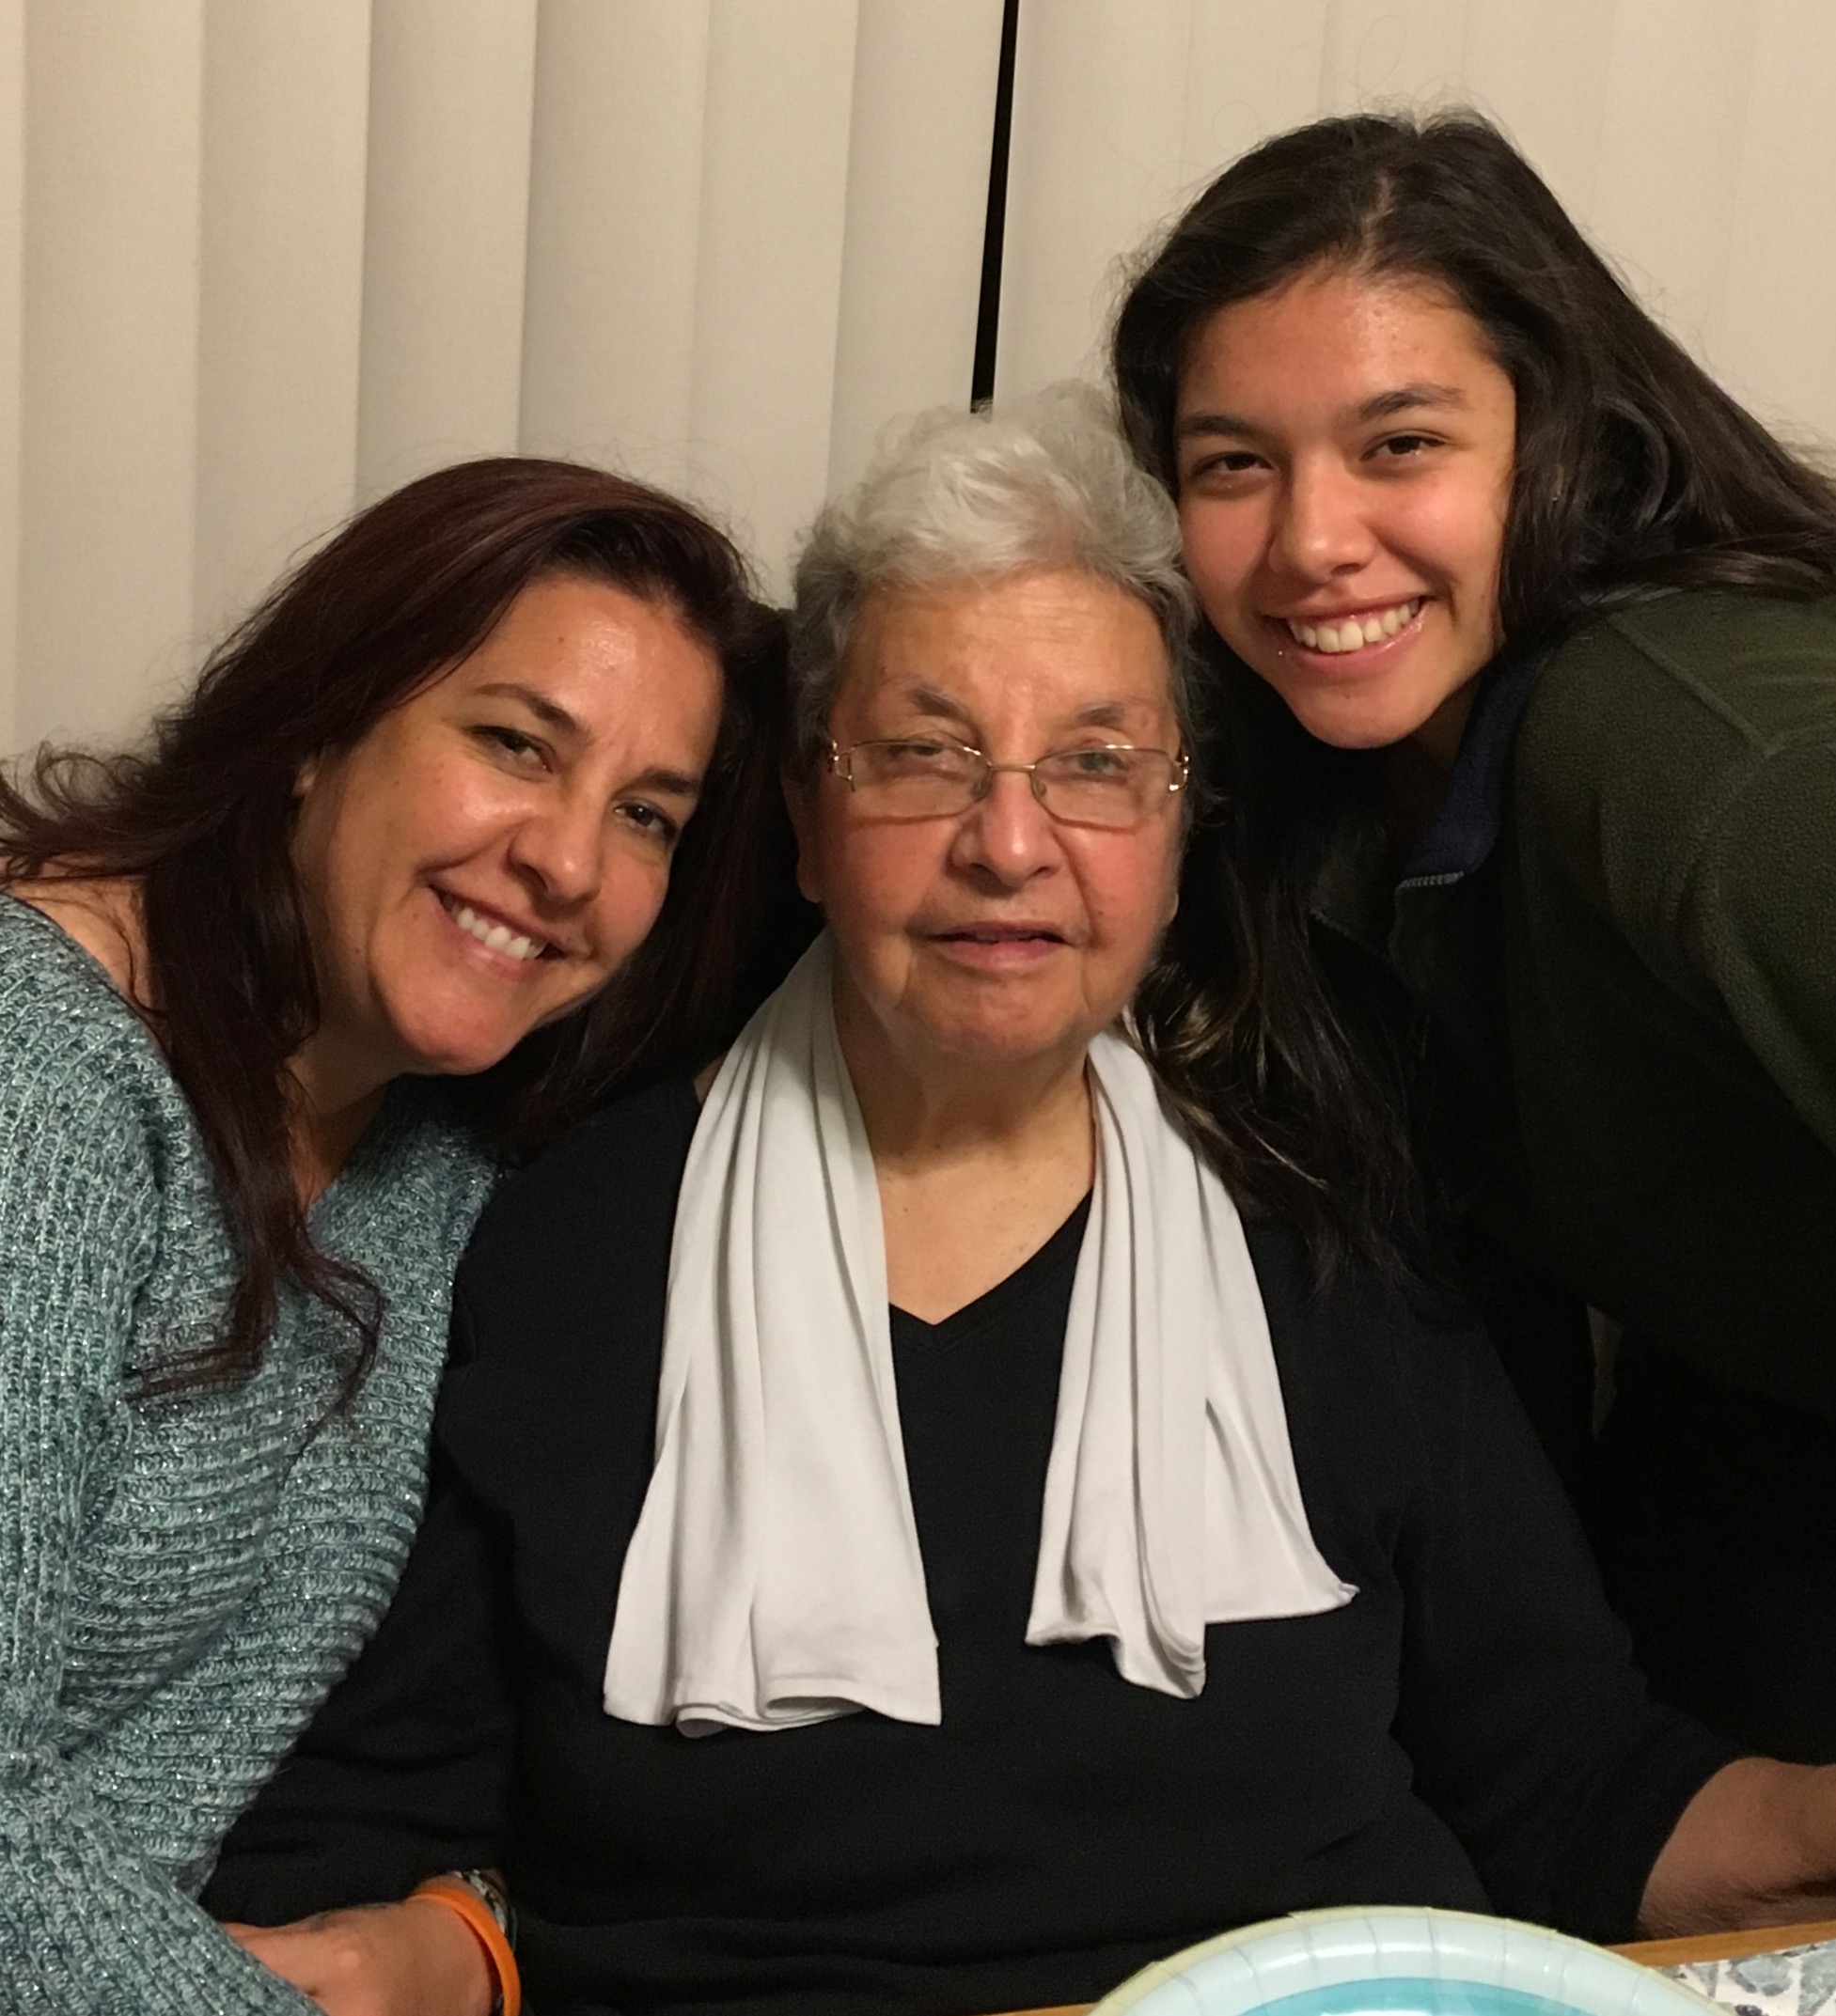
(479, 1901)
(1756, 1846)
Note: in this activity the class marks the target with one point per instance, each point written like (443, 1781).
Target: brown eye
(509, 741)
(649, 822)
(1225, 462)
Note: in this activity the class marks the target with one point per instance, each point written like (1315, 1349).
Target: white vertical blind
(259, 263)
(615, 203)
(1687, 137)
(108, 434)
(1100, 109)
(925, 73)
(1772, 326)
(446, 222)
(12, 204)
(280, 293)
(755, 236)
(768, 271)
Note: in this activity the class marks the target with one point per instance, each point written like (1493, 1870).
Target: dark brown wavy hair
(201, 820)
(1634, 471)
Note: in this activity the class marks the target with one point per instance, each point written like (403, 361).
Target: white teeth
(1356, 632)
(495, 935)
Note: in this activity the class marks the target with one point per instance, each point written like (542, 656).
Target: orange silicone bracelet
(466, 1903)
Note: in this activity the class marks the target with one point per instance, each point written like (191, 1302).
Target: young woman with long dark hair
(414, 816)
(1527, 632)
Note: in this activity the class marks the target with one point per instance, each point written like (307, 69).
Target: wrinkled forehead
(1045, 647)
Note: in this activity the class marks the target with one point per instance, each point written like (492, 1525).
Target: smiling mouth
(494, 936)
(1353, 633)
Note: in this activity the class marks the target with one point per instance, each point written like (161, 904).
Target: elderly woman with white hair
(938, 1512)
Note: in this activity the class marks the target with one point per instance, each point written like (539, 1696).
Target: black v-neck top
(978, 1394)
(1466, 1733)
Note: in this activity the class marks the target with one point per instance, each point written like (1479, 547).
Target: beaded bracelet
(464, 1900)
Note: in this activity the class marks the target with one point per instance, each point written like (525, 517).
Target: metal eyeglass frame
(838, 764)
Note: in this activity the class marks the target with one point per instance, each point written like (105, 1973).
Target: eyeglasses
(1104, 784)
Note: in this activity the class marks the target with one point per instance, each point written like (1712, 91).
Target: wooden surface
(1727, 1946)
(1648, 1952)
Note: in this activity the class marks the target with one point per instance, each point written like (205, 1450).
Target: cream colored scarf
(774, 1578)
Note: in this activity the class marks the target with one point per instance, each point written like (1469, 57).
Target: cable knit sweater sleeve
(87, 1919)
(182, 1579)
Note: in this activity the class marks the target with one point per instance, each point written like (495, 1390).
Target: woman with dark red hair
(416, 818)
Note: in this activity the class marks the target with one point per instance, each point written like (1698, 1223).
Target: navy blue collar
(1466, 829)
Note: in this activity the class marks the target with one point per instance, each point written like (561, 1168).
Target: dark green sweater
(1639, 983)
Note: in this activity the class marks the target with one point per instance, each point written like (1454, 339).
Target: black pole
(988, 314)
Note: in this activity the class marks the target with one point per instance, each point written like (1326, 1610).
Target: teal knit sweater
(181, 1580)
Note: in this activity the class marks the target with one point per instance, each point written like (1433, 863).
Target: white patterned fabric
(775, 1578)
(1791, 1981)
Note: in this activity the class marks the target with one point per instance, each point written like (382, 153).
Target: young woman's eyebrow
(1406, 398)
(1380, 406)
(1190, 426)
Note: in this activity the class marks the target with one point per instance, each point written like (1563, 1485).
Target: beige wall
(260, 261)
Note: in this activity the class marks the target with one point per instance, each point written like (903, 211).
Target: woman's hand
(412, 1959)
(1756, 1846)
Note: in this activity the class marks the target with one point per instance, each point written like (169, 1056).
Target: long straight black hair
(202, 819)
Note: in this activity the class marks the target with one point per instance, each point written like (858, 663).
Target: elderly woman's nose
(1007, 829)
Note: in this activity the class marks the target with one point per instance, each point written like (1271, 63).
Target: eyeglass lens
(1105, 786)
